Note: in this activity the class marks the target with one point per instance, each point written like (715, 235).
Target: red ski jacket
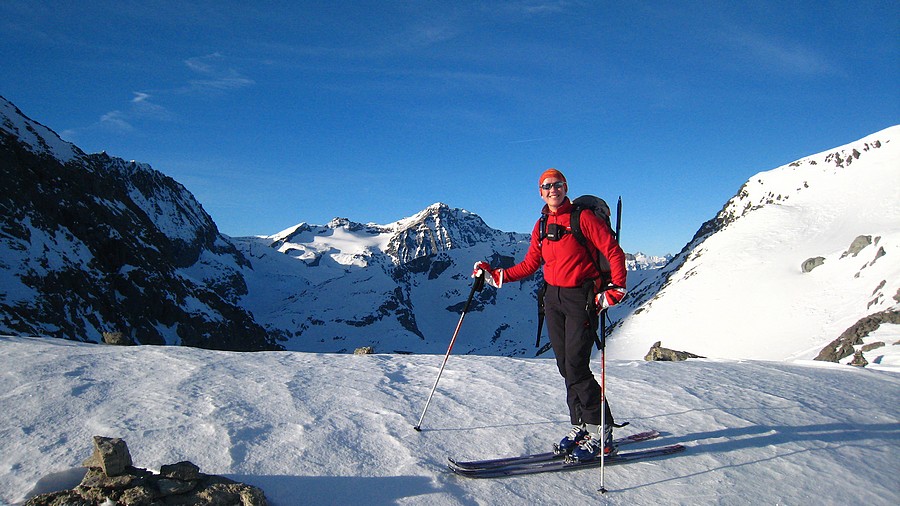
(566, 261)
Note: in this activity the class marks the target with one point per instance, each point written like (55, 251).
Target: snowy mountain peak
(39, 139)
(641, 261)
(437, 213)
(747, 272)
(436, 208)
(435, 229)
(352, 226)
(778, 186)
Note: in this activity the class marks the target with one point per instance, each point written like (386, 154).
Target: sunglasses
(558, 185)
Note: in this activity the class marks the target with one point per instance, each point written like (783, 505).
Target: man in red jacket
(573, 281)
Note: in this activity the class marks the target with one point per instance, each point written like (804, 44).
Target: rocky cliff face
(437, 229)
(93, 244)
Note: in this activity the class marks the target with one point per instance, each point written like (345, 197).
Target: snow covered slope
(337, 429)
(739, 290)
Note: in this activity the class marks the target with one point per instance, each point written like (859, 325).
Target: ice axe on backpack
(476, 287)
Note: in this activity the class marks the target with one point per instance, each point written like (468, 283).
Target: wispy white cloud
(779, 54)
(434, 33)
(203, 64)
(123, 121)
(545, 6)
(216, 76)
(537, 7)
(116, 121)
(528, 141)
(142, 107)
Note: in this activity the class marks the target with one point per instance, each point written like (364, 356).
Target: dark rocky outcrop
(859, 360)
(111, 479)
(858, 244)
(658, 353)
(812, 263)
(843, 346)
(117, 339)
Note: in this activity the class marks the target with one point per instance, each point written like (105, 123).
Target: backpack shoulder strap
(575, 225)
(542, 233)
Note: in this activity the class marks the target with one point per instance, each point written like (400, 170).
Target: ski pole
(603, 414)
(476, 286)
(603, 366)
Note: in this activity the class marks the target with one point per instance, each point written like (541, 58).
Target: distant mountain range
(94, 245)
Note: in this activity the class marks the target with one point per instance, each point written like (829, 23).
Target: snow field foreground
(337, 429)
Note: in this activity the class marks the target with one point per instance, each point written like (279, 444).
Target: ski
(565, 465)
(543, 457)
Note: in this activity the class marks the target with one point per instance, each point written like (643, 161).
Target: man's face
(553, 192)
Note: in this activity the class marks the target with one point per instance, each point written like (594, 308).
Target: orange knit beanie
(552, 173)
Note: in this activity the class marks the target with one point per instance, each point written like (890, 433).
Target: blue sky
(275, 113)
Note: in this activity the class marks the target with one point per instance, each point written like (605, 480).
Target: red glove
(609, 297)
(494, 277)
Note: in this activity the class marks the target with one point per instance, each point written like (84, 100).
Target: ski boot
(571, 441)
(593, 444)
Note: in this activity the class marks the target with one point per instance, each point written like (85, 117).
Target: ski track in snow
(337, 429)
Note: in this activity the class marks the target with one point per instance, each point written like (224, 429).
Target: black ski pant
(572, 339)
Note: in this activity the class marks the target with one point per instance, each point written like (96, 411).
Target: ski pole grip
(479, 282)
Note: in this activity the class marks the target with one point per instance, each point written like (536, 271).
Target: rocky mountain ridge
(94, 244)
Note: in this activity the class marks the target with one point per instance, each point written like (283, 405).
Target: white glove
(609, 297)
(494, 277)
